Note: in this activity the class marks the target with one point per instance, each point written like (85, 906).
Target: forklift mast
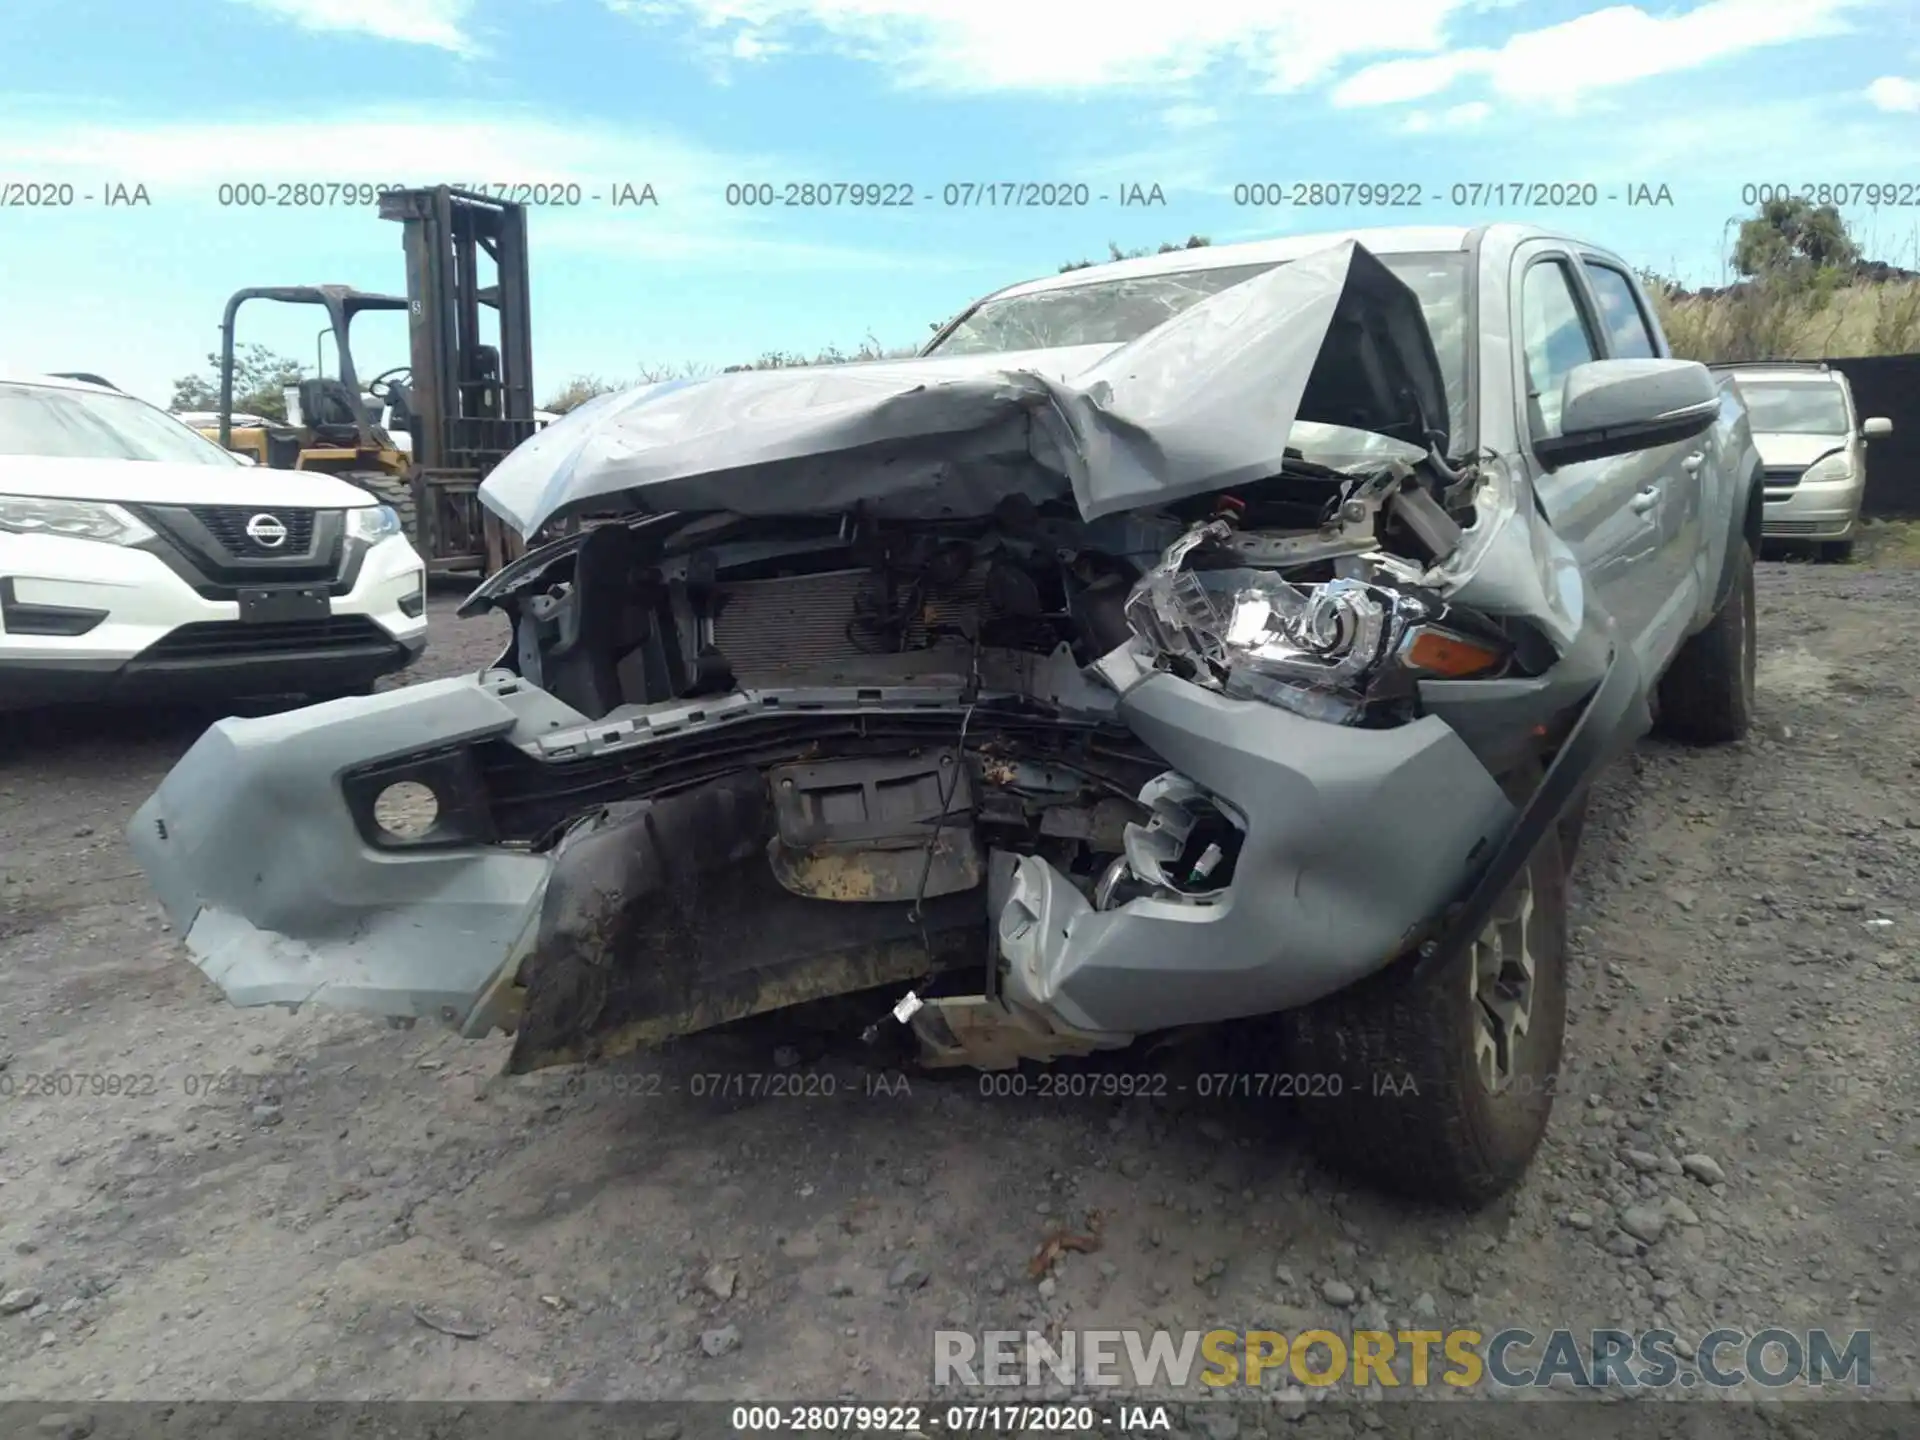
(471, 402)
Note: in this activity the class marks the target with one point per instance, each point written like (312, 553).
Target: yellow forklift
(462, 402)
(328, 427)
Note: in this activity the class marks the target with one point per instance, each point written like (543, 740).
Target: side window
(1628, 337)
(1555, 338)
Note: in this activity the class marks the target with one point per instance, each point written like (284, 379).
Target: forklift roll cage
(468, 403)
(342, 303)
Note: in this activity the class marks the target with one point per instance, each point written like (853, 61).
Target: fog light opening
(414, 605)
(406, 810)
(1208, 857)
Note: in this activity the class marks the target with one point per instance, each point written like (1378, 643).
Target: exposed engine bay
(1304, 589)
(919, 704)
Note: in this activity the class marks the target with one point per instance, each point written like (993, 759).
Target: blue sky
(186, 96)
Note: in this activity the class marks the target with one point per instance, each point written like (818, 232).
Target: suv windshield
(1112, 312)
(82, 425)
(1795, 409)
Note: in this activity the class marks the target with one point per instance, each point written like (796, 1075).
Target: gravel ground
(209, 1203)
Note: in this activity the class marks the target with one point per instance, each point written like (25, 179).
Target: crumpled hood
(1203, 402)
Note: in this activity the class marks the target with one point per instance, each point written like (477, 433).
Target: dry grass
(1889, 544)
(1773, 320)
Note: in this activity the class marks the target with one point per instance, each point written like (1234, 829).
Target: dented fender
(1354, 839)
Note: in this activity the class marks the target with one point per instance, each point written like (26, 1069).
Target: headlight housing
(1326, 650)
(373, 523)
(71, 520)
(1829, 469)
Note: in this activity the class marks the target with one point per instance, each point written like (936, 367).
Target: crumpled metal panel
(280, 901)
(1353, 839)
(1202, 402)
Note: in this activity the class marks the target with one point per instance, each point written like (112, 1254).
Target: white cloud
(1397, 81)
(1189, 117)
(1073, 45)
(400, 145)
(1558, 64)
(1710, 149)
(440, 23)
(1895, 94)
(186, 162)
(1454, 117)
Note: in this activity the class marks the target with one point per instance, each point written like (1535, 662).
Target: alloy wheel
(1503, 984)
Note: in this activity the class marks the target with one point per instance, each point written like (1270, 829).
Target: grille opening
(228, 525)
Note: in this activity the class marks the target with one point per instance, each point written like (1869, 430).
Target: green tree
(259, 378)
(1794, 237)
(869, 348)
(1114, 252)
(577, 392)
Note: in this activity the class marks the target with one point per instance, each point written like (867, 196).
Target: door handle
(1693, 462)
(1645, 500)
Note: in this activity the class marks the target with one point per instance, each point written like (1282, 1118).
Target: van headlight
(1324, 650)
(71, 520)
(1829, 470)
(373, 523)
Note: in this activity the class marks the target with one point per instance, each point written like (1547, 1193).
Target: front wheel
(1441, 1088)
(1706, 696)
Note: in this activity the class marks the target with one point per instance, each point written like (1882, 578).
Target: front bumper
(1819, 510)
(258, 862)
(136, 629)
(1353, 841)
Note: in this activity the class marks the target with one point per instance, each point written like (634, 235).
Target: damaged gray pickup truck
(1219, 634)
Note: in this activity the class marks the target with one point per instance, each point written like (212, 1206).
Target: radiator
(773, 629)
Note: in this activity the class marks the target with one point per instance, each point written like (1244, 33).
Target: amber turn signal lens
(1439, 652)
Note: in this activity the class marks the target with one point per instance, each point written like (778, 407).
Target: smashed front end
(1054, 711)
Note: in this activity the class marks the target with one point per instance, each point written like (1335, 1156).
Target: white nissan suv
(140, 561)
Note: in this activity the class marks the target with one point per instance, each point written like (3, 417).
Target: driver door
(1603, 509)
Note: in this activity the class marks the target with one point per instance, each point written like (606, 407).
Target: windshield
(82, 425)
(1802, 409)
(1113, 312)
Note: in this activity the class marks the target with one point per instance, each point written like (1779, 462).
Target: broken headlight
(1325, 650)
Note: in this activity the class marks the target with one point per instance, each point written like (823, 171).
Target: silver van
(1814, 446)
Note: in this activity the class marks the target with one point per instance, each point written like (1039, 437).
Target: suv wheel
(1706, 696)
(1441, 1089)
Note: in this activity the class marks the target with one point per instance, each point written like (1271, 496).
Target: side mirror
(1615, 407)
(1876, 427)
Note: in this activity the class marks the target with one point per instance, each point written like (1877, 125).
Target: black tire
(1836, 552)
(394, 490)
(1397, 1094)
(1573, 829)
(1706, 696)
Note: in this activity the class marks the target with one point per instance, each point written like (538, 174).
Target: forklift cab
(329, 427)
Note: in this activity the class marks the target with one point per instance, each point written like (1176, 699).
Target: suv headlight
(71, 520)
(1323, 650)
(373, 523)
(1829, 469)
